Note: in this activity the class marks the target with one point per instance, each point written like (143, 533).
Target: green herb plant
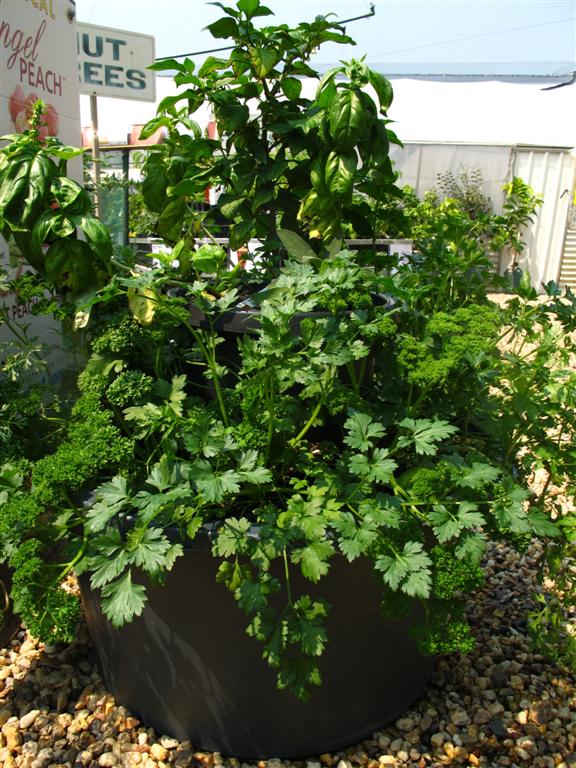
(283, 159)
(31, 416)
(388, 432)
(41, 210)
(383, 411)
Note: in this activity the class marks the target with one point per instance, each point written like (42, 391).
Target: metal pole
(126, 177)
(95, 152)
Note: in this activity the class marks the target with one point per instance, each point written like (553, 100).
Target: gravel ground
(503, 705)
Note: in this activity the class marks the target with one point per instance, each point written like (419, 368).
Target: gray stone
(183, 758)
(437, 739)
(542, 712)
(498, 728)
(405, 724)
(498, 678)
(459, 716)
(30, 748)
(482, 716)
(426, 723)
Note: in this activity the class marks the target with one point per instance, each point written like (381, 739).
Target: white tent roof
(477, 112)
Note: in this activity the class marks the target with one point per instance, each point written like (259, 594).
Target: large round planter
(187, 667)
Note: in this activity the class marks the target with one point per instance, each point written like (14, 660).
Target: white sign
(114, 63)
(38, 61)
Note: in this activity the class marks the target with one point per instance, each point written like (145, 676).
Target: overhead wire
(94, 4)
(372, 12)
(482, 34)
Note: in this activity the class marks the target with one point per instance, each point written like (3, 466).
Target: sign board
(38, 61)
(114, 63)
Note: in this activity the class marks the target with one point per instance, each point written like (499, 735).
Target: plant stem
(271, 414)
(209, 355)
(287, 576)
(294, 442)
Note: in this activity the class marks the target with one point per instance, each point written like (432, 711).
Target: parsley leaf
(313, 559)
(448, 523)
(425, 434)
(409, 570)
(376, 468)
(362, 431)
(112, 497)
(479, 475)
(231, 537)
(122, 600)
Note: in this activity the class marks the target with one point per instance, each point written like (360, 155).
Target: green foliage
(444, 631)
(41, 209)
(519, 210)
(454, 576)
(550, 622)
(283, 161)
(25, 406)
(466, 188)
(129, 387)
(412, 473)
(29, 544)
(370, 410)
(38, 518)
(92, 444)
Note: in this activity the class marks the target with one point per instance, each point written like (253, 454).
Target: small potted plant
(519, 210)
(324, 501)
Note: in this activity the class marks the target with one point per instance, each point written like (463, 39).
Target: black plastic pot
(187, 668)
(240, 321)
(232, 325)
(9, 621)
(514, 277)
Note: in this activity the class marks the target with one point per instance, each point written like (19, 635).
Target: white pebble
(158, 752)
(27, 719)
(107, 760)
(168, 742)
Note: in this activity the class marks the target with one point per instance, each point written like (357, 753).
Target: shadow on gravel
(502, 705)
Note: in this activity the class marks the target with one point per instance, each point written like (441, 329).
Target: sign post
(95, 151)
